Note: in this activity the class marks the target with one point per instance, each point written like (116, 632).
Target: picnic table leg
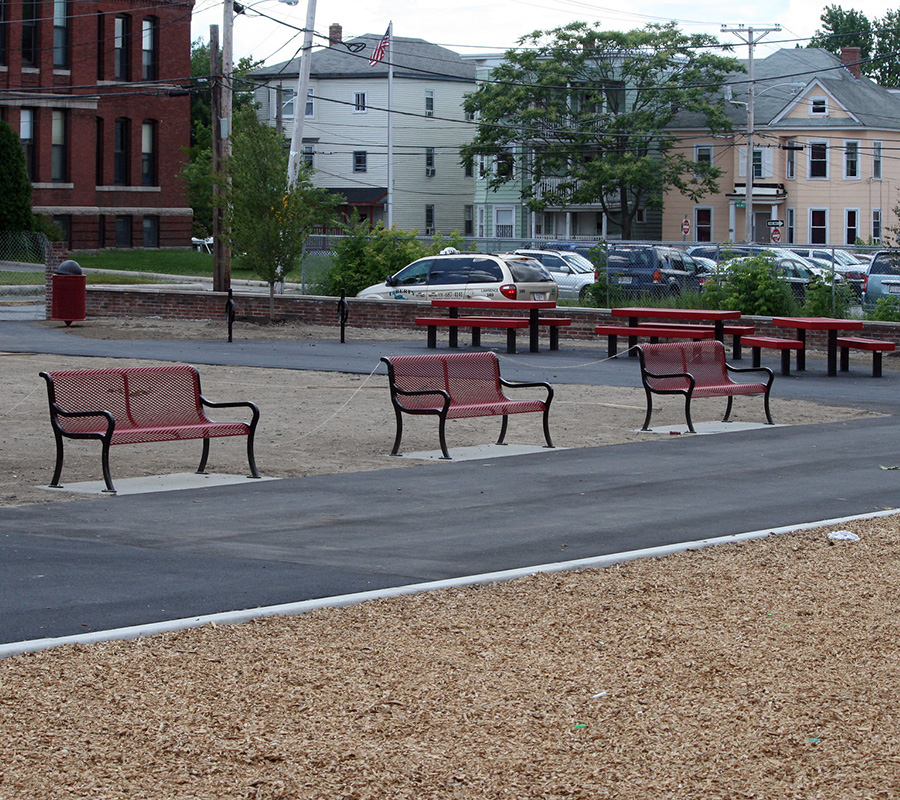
(476, 337)
(454, 331)
(832, 352)
(431, 341)
(801, 353)
(511, 340)
(534, 343)
(719, 327)
(632, 340)
(845, 359)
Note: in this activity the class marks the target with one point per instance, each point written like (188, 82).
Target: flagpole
(390, 130)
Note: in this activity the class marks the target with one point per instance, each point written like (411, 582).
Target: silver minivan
(468, 275)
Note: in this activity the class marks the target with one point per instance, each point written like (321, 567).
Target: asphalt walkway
(69, 568)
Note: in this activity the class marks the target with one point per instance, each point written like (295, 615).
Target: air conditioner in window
(429, 172)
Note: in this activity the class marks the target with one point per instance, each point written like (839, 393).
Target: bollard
(229, 312)
(343, 312)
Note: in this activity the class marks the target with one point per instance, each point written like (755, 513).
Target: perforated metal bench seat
(135, 405)
(696, 369)
(456, 386)
(876, 346)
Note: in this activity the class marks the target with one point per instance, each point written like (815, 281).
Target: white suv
(465, 276)
(572, 272)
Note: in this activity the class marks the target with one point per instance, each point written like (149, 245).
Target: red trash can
(68, 287)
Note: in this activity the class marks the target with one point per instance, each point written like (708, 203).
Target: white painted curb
(292, 609)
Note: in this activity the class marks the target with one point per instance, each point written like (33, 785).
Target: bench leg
(611, 342)
(554, 337)
(511, 340)
(432, 337)
(476, 337)
(736, 347)
(204, 456)
(57, 472)
(757, 357)
(104, 460)
(442, 425)
(251, 459)
(547, 424)
(687, 413)
(399, 435)
(876, 364)
(728, 408)
(786, 362)
(503, 424)
(845, 359)
(768, 411)
(646, 425)
(454, 337)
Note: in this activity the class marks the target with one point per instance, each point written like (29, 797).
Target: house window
(30, 40)
(359, 161)
(481, 221)
(790, 161)
(503, 223)
(851, 225)
(121, 171)
(64, 223)
(790, 226)
(468, 221)
(482, 166)
(123, 231)
(818, 226)
(851, 160)
(309, 155)
(148, 153)
(100, 56)
(149, 32)
(469, 169)
(151, 231)
(4, 46)
(27, 137)
(121, 34)
(503, 165)
(818, 160)
(429, 220)
(310, 110)
(429, 162)
(703, 154)
(703, 224)
(359, 102)
(287, 102)
(876, 160)
(757, 163)
(60, 34)
(100, 149)
(429, 103)
(818, 106)
(876, 225)
(58, 146)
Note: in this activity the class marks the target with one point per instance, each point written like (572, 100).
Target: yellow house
(822, 168)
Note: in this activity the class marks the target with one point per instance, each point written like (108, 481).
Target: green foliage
(197, 175)
(844, 28)
(603, 294)
(751, 286)
(268, 220)
(15, 188)
(824, 299)
(887, 309)
(597, 105)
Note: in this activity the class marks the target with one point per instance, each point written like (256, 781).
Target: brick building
(95, 89)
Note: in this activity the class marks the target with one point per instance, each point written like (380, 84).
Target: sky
(475, 27)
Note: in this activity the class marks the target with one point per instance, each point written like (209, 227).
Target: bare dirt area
(766, 669)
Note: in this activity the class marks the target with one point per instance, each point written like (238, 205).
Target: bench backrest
(704, 360)
(135, 396)
(466, 377)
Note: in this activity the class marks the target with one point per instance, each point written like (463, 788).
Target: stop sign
(776, 235)
(686, 227)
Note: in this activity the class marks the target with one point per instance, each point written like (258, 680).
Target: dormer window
(818, 107)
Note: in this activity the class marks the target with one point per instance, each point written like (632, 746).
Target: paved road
(69, 568)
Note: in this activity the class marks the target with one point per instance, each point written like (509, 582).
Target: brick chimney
(336, 34)
(850, 58)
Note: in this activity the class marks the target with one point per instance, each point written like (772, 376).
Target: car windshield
(528, 270)
(577, 262)
(885, 264)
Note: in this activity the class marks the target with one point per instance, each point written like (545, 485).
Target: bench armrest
(647, 374)
(235, 404)
(754, 369)
(56, 412)
(396, 390)
(532, 384)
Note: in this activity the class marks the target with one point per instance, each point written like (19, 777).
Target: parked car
(654, 269)
(851, 268)
(468, 275)
(792, 269)
(883, 276)
(572, 272)
(581, 247)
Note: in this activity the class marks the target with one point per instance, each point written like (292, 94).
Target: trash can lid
(69, 268)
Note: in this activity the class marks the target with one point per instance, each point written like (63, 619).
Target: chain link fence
(22, 266)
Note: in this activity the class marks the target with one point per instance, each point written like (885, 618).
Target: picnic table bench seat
(735, 331)
(134, 405)
(476, 323)
(651, 332)
(456, 386)
(696, 369)
(876, 346)
(757, 343)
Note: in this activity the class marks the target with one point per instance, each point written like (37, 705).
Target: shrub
(886, 309)
(752, 287)
(824, 299)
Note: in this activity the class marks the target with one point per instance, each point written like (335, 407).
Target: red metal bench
(454, 386)
(651, 332)
(756, 343)
(877, 346)
(696, 369)
(134, 405)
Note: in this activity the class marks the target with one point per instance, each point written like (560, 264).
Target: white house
(345, 127)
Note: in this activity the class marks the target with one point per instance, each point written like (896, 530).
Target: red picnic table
(804, 324)
(533, 307)
(636, 314)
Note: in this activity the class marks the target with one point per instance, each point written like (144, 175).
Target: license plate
(543, 295)
(894, 289)
(625, 279)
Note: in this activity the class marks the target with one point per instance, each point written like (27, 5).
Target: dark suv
(652, 269)
(883, 276)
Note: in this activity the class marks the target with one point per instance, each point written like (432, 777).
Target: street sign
(775, 223)
(686, 227)
(776, 235)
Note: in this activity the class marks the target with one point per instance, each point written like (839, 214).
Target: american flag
(378, 53)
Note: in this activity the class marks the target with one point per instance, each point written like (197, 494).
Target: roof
(789, 76)
(411, 58)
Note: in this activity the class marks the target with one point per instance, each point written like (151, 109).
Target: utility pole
(750, 36)
(221, 265)
(300, 99)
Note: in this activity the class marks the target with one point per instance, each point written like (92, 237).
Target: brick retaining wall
(105, 301)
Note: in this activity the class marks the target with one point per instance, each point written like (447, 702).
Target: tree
(585, 111)
(885, 67)
(845, 28)
(15, 187)
(270, 221)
